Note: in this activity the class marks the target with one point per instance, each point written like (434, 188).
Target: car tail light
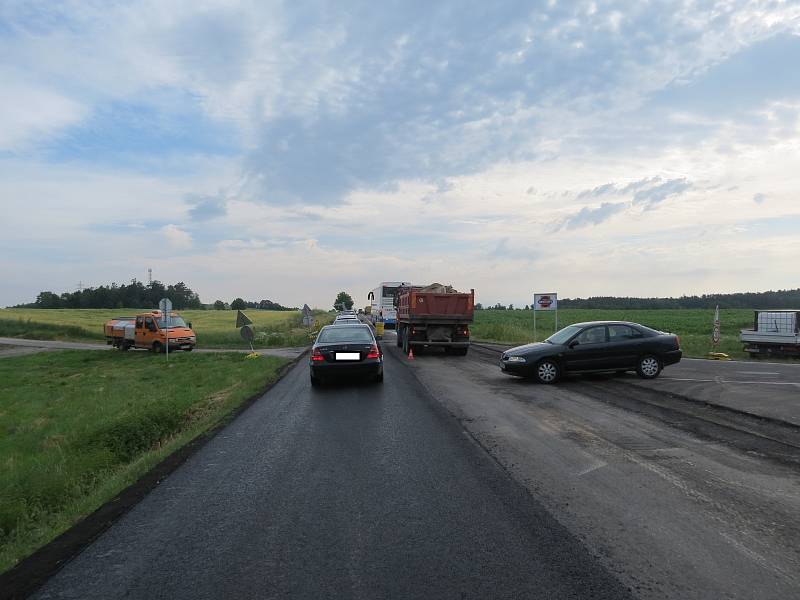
(373, 352)
(316, 355)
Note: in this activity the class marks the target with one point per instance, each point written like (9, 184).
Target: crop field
(214, 328)
(694, 326)
(79, 426)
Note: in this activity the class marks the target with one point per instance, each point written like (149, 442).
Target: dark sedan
(595, 347)
(349, 350)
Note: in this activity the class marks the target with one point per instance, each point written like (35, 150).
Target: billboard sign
(545, 302)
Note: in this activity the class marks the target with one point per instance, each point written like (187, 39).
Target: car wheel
(649, 367)
(157, 347)
(124, 346)
(460, 351)
(188, 349)
(379, 377)
(315, 382)
(547, 371)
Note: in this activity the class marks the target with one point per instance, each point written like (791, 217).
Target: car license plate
(348, 356)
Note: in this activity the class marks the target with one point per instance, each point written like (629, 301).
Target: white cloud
(176, 237)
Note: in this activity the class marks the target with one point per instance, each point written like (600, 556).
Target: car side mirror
(189, 324)
(574, 343)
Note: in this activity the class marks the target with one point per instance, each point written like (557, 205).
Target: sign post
(165, 306)
(544, 302)
(715, 335)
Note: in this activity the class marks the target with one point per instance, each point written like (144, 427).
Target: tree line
(780, 299)
(133, 295)
(139, 295)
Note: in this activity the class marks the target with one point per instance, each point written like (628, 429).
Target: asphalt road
(352, 491)
(16, 346)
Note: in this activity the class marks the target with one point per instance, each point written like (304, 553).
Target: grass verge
(79, 426)
(214, 328)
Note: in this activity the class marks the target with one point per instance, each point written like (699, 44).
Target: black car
(345, 351)
(596, 347)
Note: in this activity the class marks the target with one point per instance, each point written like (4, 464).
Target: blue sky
(289, 150)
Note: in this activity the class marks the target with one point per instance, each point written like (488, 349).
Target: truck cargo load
(434, 316)
(774, 333)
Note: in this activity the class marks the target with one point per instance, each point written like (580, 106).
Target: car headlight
(516, 359)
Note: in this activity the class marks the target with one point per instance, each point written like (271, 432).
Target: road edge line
(33, 571)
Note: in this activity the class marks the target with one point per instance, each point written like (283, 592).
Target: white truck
(774, 333)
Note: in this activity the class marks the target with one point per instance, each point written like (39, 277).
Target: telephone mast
(149, 276)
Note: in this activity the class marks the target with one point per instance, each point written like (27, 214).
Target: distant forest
(133, 295)
(760, 300)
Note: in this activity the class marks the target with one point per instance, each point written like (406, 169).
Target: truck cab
(150, 331)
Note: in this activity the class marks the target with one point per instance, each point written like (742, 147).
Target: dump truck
(149, 330)
(774, 333)
(434, 316)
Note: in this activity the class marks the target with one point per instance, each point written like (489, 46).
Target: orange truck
(148, 330)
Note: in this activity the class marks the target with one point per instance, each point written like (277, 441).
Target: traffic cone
(410, 354)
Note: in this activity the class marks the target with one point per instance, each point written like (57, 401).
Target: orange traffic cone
(410, 354)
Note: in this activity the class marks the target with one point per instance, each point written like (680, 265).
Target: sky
(289, 150)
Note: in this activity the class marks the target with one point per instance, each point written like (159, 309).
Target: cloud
(759, 198)
(593, 216)
(650, 197)
(176, 237)
(206, 207)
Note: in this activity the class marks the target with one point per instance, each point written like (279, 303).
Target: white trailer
(382, 302)
(774, 333)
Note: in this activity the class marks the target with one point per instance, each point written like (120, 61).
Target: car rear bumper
(672, 357)
(450, 344)
(344, 369)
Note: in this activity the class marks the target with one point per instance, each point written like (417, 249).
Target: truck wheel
(406, 345)
(460, 351)
(157, 348)
(399, 337)
(648, 367)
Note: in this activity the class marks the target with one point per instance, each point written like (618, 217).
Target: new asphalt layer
(350, 491)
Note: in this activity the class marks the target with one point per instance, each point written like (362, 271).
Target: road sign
(308, 320)
(247, 333)
(306, 310)
(545, 302)
(715, 336)
(242, 319)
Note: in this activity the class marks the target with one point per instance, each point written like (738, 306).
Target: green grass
(694, 326)
(214, 328)
(79, 426)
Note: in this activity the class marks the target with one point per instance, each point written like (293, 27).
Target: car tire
(547, 371)
(315, 381)
(188, 349)
(379, 377)
(648, 367)
(157, 348)
(460, 351)
(124, 346)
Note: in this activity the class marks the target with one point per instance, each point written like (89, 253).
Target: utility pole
(149, 276)
(80, 286)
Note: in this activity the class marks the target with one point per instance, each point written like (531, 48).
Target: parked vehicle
(345, 351)
(774, 333)
(382, 305)
(435, 316)
(597, 346)
(149, 330)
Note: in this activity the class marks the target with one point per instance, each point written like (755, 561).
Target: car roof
(586, 323)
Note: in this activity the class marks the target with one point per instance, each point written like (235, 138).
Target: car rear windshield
(344, 334)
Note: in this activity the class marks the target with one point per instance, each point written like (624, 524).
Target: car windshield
(561, 336)
(174, 322)
(344, 334)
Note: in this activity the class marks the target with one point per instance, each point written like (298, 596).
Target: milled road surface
(680, 500)
(352, 491)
